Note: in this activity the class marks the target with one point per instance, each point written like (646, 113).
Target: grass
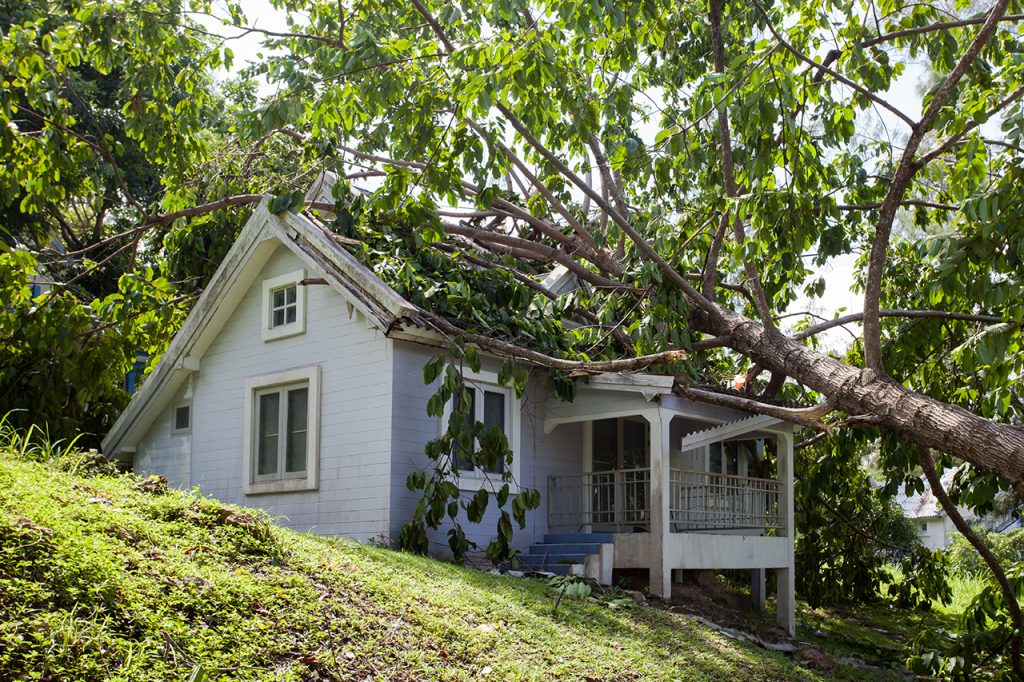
(965, 589)
(106, 576)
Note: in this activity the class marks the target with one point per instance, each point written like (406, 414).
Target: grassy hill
(106, 576)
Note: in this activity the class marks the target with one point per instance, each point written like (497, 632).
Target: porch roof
(606, 396)
(751, 426)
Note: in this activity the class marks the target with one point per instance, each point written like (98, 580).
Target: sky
(838, 273)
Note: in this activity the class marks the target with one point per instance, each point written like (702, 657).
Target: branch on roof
(525, 248)
(528, 281)
(854, 422)
(803, 416)
(581, 232)
(512, 350)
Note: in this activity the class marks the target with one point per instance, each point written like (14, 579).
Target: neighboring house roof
(924, 505)
(264, 231)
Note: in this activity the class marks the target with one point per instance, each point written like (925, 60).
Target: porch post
(786, 589)
(661, 569)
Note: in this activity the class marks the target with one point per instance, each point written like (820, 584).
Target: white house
(295, 385)
(934, 528)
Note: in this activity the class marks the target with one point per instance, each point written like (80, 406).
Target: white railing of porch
(706, 501)
(600, 501)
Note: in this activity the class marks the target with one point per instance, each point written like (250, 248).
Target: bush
(965, 560)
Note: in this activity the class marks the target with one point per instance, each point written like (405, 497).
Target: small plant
(570, 586)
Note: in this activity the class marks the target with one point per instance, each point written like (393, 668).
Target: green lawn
(101, 578)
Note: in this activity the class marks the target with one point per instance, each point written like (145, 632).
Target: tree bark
(993, 446)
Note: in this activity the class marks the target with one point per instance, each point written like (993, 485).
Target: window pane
(464, 446)
(278, 299)
(295, 457)
(606, 444)
(181, 415)
(715, 458)
(278, 318)
(634, 444)
(732, 458)
(494, 416)
(289, 314)
(267, 436)
(289, 295)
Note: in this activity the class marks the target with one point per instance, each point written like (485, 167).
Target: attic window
(284, 306)
(182, 423)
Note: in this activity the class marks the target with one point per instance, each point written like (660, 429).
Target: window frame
(282, 382)
(273, 284)
(477, 478)
(175, 430)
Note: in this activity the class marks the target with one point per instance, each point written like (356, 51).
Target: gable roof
(262, 234)
(924, 505)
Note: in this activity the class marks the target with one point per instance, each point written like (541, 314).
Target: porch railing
(706, 501)
(601, 501)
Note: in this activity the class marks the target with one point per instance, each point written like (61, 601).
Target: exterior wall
(939, 528)
(541, 455)
(162, 452)
(355, 412)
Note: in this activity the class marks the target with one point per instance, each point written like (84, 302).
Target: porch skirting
(702, 551)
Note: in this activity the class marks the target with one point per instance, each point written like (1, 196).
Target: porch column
(757, 588)
(661, 569)
(785, 603)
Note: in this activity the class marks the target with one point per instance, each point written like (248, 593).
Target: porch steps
(571, 538)
(583, 554)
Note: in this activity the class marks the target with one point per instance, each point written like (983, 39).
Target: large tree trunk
(990, 445)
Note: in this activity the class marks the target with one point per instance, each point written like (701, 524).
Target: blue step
(557, 569)
(575, 538)
(576, 548)
(547, 560)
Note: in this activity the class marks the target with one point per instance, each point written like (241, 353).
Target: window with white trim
(282, 423)
(494, 406)
(284, 306)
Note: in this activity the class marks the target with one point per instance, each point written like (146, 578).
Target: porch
(618, 501)
(669, 485)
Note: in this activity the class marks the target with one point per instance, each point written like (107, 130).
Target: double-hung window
(496, 407)
(282, 417)
(284, 306)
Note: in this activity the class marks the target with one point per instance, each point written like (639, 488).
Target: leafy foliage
(852, 534)
(63, 363)
(1007, 547)
(466, 444)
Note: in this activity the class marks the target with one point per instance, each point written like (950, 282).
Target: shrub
(965, 560)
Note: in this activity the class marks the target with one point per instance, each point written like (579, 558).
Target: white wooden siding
(542, 455)
(355, 417)
(163, 453)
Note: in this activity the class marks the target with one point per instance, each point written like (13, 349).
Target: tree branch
(932, 28)
(822, 68)
(804, 416)
(512, 350)
(731, 190)
(924, 458)
(898, 186)
(935, 314)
